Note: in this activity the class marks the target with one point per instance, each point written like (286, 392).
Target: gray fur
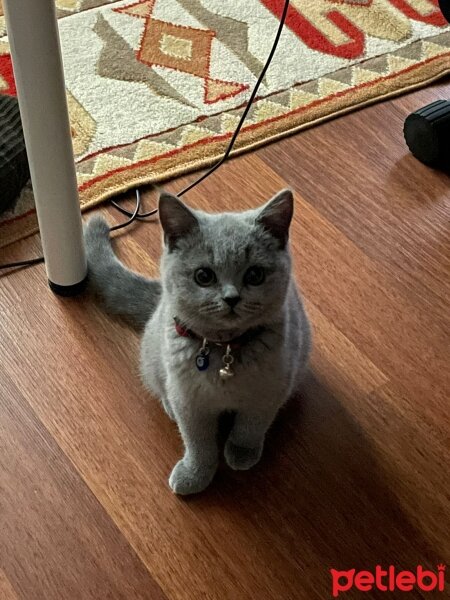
(123, 292)
(268, 369)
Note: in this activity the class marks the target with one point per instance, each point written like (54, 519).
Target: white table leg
(36, 56)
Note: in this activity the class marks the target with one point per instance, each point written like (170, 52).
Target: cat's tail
(122, 292)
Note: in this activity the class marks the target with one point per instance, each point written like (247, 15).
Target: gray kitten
(225, 328)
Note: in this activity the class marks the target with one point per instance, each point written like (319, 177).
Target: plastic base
(427, 134)
(68, 290)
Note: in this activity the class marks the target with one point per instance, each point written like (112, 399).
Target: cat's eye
(254, 276)
(205, 277)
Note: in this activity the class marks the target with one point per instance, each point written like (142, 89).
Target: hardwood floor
(356, 470)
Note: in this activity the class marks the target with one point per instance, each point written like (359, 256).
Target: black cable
(128, 213)
(136, 215)
(247, 108)
(23, 263)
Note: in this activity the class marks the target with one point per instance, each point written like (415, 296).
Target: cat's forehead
(234, 228)
(231, 239)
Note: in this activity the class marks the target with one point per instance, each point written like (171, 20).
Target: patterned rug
(155, 87)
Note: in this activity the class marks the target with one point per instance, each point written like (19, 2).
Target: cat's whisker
(211, 310)
(250, 309)
(206, 304)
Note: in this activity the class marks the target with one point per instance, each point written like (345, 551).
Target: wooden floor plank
(6, 590)
(56, 540)
(410, 448)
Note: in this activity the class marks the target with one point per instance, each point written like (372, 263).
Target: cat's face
(226, 273)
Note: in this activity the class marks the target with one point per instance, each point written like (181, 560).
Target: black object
(427, 134)
(14, 170)
(68, 290)
(444, 5)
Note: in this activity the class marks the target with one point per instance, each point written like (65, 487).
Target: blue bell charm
(202, 358)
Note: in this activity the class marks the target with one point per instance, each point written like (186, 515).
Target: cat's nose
(232, 300)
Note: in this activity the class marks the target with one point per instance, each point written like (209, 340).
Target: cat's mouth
(232, 315)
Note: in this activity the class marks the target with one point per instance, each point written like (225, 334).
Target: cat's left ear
(276, 216)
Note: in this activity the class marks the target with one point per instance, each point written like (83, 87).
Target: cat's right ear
(276, 216)
(176, 218)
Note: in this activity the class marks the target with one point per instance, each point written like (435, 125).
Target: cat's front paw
(241, 458)
(190, 479)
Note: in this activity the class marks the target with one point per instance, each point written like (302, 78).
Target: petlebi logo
(388, 580)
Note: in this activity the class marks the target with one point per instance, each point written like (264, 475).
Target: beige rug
(155, 87)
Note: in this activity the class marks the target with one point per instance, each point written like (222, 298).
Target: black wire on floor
(135, 215)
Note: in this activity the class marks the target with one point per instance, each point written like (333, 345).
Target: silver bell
(226, 372)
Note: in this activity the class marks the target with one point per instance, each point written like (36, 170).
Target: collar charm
(202, 358)
(228, 359)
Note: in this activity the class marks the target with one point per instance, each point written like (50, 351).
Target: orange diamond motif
(185, 49)
(176, 47)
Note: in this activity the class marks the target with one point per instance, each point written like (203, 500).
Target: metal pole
(36, 56)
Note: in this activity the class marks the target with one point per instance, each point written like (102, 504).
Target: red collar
(184, 332)
(234, 344)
